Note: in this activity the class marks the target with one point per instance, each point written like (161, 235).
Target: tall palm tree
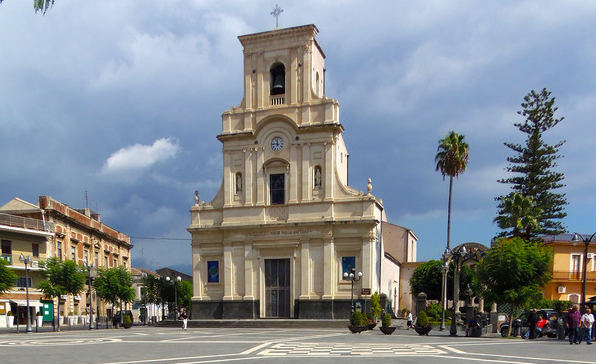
(451, 160)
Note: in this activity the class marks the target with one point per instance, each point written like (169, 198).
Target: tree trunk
(449, 212)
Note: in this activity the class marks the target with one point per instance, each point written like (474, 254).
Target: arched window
(574, 298)
(317, 83)
(277, 79)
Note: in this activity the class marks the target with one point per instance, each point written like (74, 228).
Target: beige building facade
(284, 226)
(76, 235)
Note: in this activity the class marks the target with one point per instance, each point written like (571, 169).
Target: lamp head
(360, 274)
(575, 239)
(446, 254)
(345, 275)
(179, 279)
(463, 251)
(167, 279)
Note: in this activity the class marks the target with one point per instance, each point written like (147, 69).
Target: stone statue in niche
(317, 182)
(239, 183)
(196, 198)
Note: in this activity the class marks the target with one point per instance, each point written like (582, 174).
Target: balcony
(573, 276)
(21, 222)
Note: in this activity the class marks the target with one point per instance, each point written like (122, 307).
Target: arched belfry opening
(277, 79)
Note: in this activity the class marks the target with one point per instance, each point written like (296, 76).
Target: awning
(24, 303)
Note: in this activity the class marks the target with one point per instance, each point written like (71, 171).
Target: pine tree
(534, 163)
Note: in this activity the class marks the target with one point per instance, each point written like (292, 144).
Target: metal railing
(22, 222)
(573, 276)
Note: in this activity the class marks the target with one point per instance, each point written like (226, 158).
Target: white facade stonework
(274, 240)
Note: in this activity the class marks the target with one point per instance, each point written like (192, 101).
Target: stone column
(249, 272)
(228, 277)
(248, 187)
(305, 269)
(329, 272)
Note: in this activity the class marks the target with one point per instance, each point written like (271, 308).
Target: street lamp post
(444, 270)
(455, 256)
(27, 260)
(586, 241)
(353, 278)
(175, 281)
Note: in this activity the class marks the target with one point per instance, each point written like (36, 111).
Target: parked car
(522, 321)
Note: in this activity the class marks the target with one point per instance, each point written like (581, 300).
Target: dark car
(522, 321)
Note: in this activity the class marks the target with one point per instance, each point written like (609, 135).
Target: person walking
(409, 320)
(587, 320)
(573, 322)
(184, 318)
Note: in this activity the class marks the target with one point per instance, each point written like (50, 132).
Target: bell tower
(283, 71)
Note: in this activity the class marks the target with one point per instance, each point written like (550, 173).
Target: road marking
(471, 354)
(356, 349)
(255, 348)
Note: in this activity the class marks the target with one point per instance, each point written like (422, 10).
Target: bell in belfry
(277, 76)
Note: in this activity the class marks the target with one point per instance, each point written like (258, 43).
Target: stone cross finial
(369, 186)
(196, 198)
(276, 12)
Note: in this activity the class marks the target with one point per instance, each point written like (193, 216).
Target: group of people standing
(579, 326)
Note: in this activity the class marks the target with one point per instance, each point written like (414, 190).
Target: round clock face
(276, 144)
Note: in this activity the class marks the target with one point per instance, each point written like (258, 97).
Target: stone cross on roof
(276, 12)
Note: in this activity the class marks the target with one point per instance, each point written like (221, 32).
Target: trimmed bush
(127, 319)
(422, 319)
(386, 321)
(356, 319)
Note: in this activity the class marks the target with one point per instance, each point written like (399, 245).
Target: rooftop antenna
(86, 200)
(276, 12)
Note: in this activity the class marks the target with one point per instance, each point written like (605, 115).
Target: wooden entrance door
(277, 287)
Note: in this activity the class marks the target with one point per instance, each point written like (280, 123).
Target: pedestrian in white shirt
(587, 320)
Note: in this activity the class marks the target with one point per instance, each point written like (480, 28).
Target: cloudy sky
(123, 99)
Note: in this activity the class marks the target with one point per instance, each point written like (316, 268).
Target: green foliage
(10, 313)
(7, 276)
(386, 321)
(539, 301)
(518, 213)
(405, 310)
(532, 165)
(185, 293)
(427, 278)
(61, 278)
(127, 319)
(375, 304)
(114, 285)
(561, 305)
(422, 319)
(434, 311)
(356, 319)
(514, 271)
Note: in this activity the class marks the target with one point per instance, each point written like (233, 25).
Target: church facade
(285, 226)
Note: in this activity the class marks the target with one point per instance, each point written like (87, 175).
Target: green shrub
(435, 311)
(10, 313)
(422, 319)
(127, 319)
(386, 321)
(39, 313)
(375, 304)
(356, 319)
(405, 310)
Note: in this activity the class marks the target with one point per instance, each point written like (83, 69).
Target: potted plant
(405, 312)
(357, 323)
(127, 321)
(370, 321)
(10, 320)
(422, 327)
(39, 319)
(386, 321)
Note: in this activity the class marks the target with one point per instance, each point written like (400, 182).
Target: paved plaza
(146, 345)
